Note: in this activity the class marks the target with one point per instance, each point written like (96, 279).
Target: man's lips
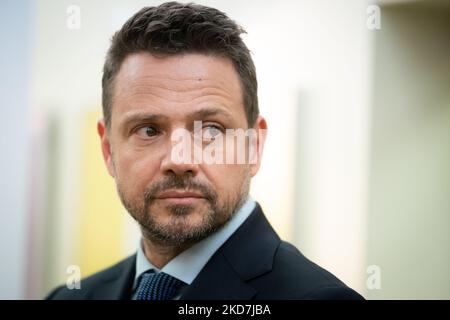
(179, 194)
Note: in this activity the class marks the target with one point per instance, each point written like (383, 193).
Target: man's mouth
(180, 196)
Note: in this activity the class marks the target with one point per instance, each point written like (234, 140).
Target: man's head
(173, 29)
(166, 68)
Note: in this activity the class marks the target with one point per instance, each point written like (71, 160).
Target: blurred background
(356, 168)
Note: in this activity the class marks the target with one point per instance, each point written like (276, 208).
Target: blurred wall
(14, 143)
(332, 62)
(408, 227)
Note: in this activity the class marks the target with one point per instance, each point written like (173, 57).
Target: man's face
(175, 203)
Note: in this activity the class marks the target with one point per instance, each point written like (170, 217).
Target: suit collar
(250, 250)
(247, 254)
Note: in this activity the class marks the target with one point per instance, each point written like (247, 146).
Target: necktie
(157, 286)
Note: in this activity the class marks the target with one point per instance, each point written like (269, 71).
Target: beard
(184, 224)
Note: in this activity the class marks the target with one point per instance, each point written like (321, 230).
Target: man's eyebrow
(196, 115)
(140, 117)
(206, 112)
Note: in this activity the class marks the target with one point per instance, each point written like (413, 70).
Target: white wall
(410, 173)
(14, 144)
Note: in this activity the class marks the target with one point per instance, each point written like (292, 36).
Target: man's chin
(180, 225)
(180, 232)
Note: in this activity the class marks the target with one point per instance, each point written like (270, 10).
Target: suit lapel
(247, 254)
(218, 281)
(119, 284)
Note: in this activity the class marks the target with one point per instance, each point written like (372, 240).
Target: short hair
(174, 28)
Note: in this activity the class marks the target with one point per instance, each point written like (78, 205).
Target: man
(178, 78)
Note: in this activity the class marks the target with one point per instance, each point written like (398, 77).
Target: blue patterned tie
(157, 286)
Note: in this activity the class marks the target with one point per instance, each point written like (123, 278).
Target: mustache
(179, 182)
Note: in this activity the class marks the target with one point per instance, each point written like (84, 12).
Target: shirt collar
(188, 264)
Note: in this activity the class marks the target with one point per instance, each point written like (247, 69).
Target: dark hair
(175, 28)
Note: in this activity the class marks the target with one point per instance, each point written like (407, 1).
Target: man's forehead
(183, 69)
(159, 82)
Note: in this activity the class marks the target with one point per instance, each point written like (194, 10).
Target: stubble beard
(180, 231)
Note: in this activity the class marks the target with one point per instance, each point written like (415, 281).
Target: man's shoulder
(293, 276)
(90, 285)
(276, 269)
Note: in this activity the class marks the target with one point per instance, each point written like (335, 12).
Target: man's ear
(260, 127)
(106, 146)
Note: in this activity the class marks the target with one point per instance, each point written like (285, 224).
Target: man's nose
(181, 157)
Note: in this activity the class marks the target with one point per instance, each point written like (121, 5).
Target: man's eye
(211, 132)
(147, 132)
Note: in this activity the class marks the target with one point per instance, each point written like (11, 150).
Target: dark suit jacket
(252, 264)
